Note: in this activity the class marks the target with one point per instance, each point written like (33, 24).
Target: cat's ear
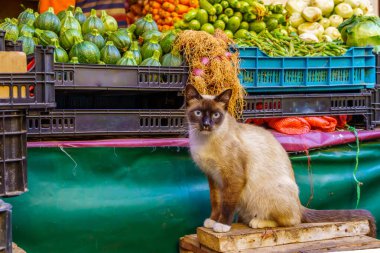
(191, 93)
(224, 97)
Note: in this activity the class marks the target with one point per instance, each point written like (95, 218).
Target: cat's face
(206, 114)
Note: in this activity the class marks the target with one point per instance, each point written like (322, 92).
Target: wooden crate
(311, 237)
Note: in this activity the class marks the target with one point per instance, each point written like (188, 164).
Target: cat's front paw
(257, 223)
(209, 223)
(221, 228)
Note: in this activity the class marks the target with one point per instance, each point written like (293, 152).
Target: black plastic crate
(107, 77)
(377, 68)
(269, 106)
(13, 153)
(5, 227)
(33, 89)
(79, 123)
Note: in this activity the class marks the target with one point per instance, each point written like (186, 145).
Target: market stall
(94, 150)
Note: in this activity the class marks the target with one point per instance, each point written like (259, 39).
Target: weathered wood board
(190, 244)
(242, 237)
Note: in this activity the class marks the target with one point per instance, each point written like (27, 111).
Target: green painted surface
(144, 199)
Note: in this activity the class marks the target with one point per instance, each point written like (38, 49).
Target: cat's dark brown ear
(224, 97)
(191, 93)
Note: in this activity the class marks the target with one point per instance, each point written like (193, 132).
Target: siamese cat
(248, 170)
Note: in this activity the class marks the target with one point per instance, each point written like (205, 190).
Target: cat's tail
(311, 215)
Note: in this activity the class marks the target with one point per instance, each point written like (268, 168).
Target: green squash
(110, 23)
(135, 52)
(121, 40)
(87, 52)
(36, 41)
(45, 37)
(60, 54)
(152, 61)
(149, 47)
(149, 34)
(109, 53)
(145, 24)
(95, 37)
(28, 27)
(78, 15)
(48, 21)
(101, 63)
(10, 28)
(26, 16)
(172, 59)
(69, 22)
(167, 42)
(74, 60)
(15, 21)
(127, 60)
(67, 38)
(93, 22)
(27, 43)
(62, 14)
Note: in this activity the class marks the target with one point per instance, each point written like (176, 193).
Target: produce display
(134, 10)
(93, 40)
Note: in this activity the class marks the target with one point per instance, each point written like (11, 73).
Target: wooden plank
(241, 237)
(361, 242)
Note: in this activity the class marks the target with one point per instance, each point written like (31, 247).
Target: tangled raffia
(220, 73)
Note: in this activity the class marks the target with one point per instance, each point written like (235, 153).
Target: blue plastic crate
(353, 71)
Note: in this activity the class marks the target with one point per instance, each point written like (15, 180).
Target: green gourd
(26, 16)
(27, 43)
(48, 21)
(149, 34)
(152, 61)
(167, 42)
(135, 52)
(62, 14)
(172, 59)
(93, 22)
(69, 22)
(145, 24)
(121, 40)
(10, 28)
(149, 47)
(67, 38)
(95, 37)
(45, 37)
(110, 23)
(28, 27)
(78, 15)
(127, 59)
(87, 52)
(109, 53)
(74, 60)
(60, 54)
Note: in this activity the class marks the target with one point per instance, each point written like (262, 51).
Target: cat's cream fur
(248, 170)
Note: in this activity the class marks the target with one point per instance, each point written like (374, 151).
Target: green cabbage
(361, 31)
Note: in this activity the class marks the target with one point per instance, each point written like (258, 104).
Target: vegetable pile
(317, 20)
(166, 13)
(134, 10)
(93, 40)
(236, 18)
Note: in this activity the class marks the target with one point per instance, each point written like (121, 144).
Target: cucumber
(208, 28)
(241, 34)
(244, 8)
(234, 4)
(233, 24)
(249, 17)
(219, 24)
(204, 4)
(224, 18)
(212, 19)
(229, 12)
(239, 15)
(190, 15)
(257, 26)
(202, 16)
(195, 25)
(224, 4)
(218, 8)
(244, 25)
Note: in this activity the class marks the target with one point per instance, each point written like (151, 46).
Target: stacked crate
(376, 96)
(19, 94)
(308, 86)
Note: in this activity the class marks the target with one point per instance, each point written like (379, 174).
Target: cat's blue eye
(216, 115)
(198, 113)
